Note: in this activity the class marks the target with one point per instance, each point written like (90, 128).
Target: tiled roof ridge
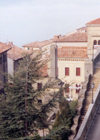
(73, 37)
(39, 44)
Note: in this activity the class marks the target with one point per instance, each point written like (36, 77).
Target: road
(94, 132)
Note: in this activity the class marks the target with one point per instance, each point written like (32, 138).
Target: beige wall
(77, 44)
(72, 74)
(85, 70)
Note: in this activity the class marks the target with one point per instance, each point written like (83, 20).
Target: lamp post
(92, 87)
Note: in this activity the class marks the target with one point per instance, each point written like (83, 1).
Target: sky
(25, 21)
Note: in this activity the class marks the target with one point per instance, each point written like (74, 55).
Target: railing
(88, 119)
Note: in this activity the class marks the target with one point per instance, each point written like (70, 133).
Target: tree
(20, 113)
(62, 126)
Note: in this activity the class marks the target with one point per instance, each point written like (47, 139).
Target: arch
(95, 42)
(98, 42)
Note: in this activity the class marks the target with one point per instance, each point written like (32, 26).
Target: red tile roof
(96, 21)
(73, 37)
(72, 52)
(4, 47)
(38, 44)
(15, 52)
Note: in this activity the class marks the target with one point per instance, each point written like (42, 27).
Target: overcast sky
(25, 21)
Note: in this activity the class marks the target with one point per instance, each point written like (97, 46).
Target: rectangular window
(67, 71)
(77, 88)
(39, 86)
(67, 88)
(77, 71)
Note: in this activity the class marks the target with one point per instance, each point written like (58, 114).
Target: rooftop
(73, 37)
(4, 47)
(72, 52)
(96, 21)
(38, 44)
(15, 52)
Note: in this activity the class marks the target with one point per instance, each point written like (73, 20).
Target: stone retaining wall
(86, 124)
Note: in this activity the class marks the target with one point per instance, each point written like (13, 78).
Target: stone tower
(93, 32)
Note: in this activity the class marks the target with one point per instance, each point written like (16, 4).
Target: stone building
(4, 48)
(72, 56)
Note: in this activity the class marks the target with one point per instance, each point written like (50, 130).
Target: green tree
(20, 113)
(64, 119)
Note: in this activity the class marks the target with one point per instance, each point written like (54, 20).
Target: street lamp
(92, 87)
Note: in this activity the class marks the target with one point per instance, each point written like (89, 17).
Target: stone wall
(86, 124)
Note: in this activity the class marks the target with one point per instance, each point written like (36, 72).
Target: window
(67, 71)
(77, 71)
(99, 42)
(77, 88)
(39, 86)
(95, 42)
(67, 88)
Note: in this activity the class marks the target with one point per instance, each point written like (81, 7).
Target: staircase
(96, 80)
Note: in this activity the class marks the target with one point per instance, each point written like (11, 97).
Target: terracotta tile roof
(15, 52)
(38, 44)
(72, 52)
(4, 47)
(96, 21)
(73, 37)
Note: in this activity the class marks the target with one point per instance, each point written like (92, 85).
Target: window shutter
(67, 88)
(67, 71)
(77, 71)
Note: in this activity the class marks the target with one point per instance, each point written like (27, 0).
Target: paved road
(94, 132)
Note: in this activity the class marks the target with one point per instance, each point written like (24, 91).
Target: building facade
(4, 48)
(72, 56)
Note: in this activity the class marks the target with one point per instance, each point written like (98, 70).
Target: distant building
(4, 48)
(14, 55)
(72, 56)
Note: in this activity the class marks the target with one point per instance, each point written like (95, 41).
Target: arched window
(95, 42)
(98, 42)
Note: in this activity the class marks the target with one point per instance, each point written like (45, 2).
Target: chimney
(53, 61)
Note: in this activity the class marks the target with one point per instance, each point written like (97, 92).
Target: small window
(99, 42)
(67, 71)
(39, 86)
(77, 88)
(67, 88)
(95, 42)
(77, 71)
